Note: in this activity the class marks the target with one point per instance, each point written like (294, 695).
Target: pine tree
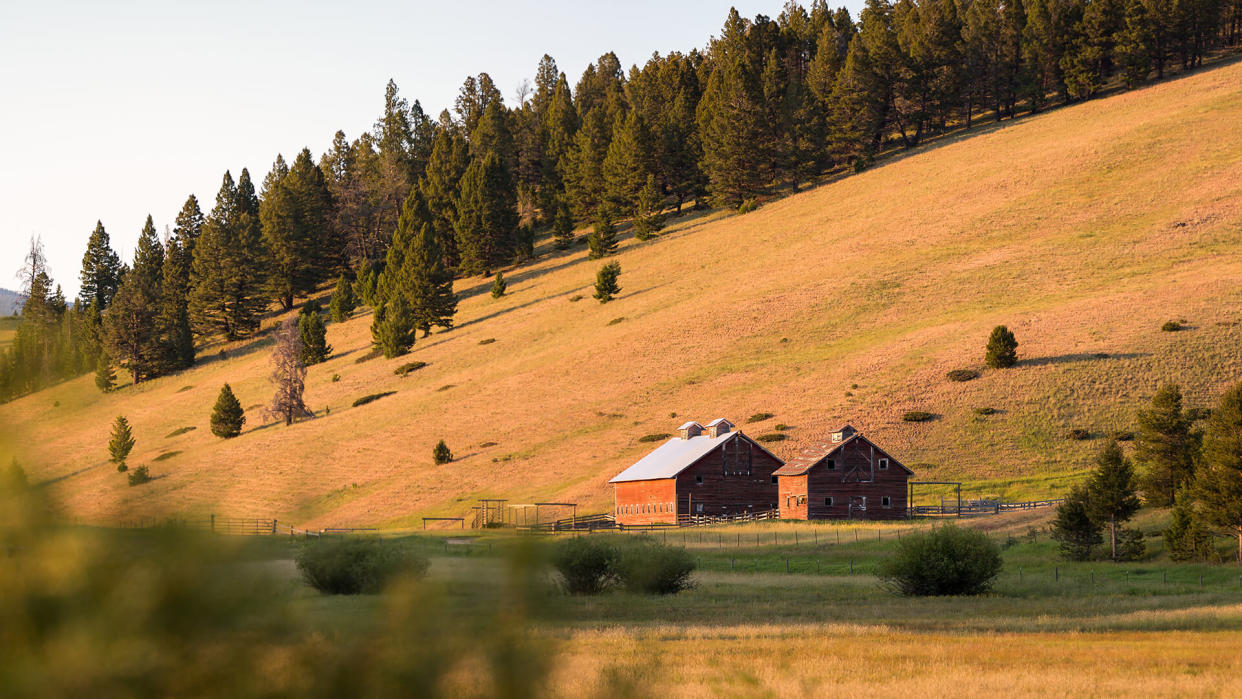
(603, 238)
(1218, 486)
(227, 416)
(392, 330)
(1165, 447)
(343, 301)
(628, 161)
(441, 453)
(105, 377)
(449, 160)
(101, 270)
(313, 335)
(1186, 538)
(1135, 41)
(296, 214)
(121, 444)
(131, 323)
(1110, 492)
(229, 269)
(649, 212)
(1073, 528)
(14, 480)
(563, 226)
(499, 286)
(486, 216)
(1002, 348)
(176, 334)
(606, 285)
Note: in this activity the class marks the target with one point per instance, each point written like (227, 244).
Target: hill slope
(1083, 230)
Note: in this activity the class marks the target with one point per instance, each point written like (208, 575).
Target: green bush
(655, 569)
(1079, 434)
(657, 437)
(1171, 326)
(587, 565)
(139, 476)
(349, 566)
(772, 437)
(405, 369)
(747, 206)
(985, 411)
(780, 427)
(1130, 545)
(373, 397)
(487, 341)
(179, 431)
(441, 453)
(1002, 348)
(962, 375)
(759, 417)
(1121, 435)
(917, 416)
(947, 561)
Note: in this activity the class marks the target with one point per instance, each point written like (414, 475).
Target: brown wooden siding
(736, 480)
(842, 484)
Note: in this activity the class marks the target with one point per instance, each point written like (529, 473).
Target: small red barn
(702, 471)
(845, 477)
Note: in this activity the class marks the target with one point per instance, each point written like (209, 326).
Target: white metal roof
(672, 457)
(719, 420)
(690, 424)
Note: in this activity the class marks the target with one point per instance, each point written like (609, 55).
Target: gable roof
(821, 450)
(676, 455)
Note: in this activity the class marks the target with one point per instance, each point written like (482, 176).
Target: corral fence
(238, 526)
(979, 507)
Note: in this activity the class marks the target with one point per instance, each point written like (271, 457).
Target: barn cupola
(844, 433)
(690, 430)
(719, 426)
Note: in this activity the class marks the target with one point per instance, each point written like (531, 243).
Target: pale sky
(113, 110)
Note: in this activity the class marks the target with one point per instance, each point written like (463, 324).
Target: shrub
(962, 375)
(657, 437)
(1002, 349)
(1130, 545)
(1171, 326)
(14, 479)
(487, 341)
(166, 456)
(614, 321)
(655, 569)
(499, 286)
(772, 437)
(405, 369)
(781, 427)
(179, 431)
(586, 564)
(917, 416)
(1197, 414)
(985, 411)
(373, 397)
(1121, 435)
(350, 566)
(139, 476)
(441, 453)
(606, 286)
(227, 417)
(576, 298)
(947, 561)
(336, 377)
(1079, 434)
(747, 206)
(759, 417)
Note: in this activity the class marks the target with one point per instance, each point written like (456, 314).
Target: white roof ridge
(690, 424)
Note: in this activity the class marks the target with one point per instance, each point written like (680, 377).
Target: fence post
(1056, 574)
(213, 522)
(273, 527)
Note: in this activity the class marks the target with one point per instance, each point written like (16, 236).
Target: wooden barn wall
(792, 500)
(645, 502)
(725, 490)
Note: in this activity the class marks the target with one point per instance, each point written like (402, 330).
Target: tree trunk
(1112, 524)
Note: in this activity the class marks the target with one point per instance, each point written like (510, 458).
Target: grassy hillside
(1083, 230)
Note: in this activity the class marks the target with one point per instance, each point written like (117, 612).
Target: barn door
(858, 506)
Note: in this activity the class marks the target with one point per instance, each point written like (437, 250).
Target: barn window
(886, 501)
(698, 479)
(830, 464)
(773, 479)
(828, 501)
(698, 507)
(883, 464)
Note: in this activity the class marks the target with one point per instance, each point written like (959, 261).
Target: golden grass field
(1083, 229)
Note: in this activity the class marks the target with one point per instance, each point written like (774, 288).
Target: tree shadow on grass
(1077, 357)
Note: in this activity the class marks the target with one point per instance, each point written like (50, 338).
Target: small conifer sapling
(602, 241)
(1002, 350)
(343, 301)
(499, 286)
(606, 285)
(227, 417)
(121, 444)
(105, 377)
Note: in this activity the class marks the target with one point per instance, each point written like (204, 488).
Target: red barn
(702, 471)
(846, 477)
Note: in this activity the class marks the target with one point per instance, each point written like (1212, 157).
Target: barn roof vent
(690, 429)
(844, 433)
(719, 426)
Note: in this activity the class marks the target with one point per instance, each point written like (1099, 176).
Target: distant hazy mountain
(10, 302)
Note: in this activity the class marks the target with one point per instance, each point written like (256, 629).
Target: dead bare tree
(289, 375)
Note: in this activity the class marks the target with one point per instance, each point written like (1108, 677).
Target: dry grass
(1082, 230)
